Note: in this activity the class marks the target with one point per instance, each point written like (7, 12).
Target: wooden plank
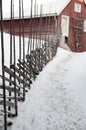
(21, 73)
(9, 71)
(1, 125)
(1, 113)
(8, 112)
(19, 98)
(7, 103)
(23, 69)
(32, 68)
(10, 81)
(1, 94)
(23, 64)
(9, 123)
(10, 89)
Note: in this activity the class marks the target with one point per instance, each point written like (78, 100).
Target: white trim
(63, 7)
(85, 1)
(77, 7)
(84, 26)
(65, 25)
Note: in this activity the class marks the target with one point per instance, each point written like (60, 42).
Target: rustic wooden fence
(22, 73)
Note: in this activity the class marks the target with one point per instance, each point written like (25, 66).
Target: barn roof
(55, 6)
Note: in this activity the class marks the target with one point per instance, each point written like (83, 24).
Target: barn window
(84, 27)
(77, 7)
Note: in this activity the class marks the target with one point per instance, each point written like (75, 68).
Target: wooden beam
(10, 81)
(28, 67)
(8, 112)
(20, 72)
(9, 71)
(10, 97)
(10, 89)
(23, 68)
(7, 103)
(23, 64)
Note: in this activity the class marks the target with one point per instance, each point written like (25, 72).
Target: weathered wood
(1, 94)
(10, 81)
(2, 61)
(27, 73)
(34, 69)
(10, 89)
(7, 103)
(23, 69)
(23, 64)
(9, 71)
(8, 97)
(1, 113)
(8, 112)
(20, 72)
(1, 125)
(9, 123)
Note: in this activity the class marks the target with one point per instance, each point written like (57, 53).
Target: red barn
(71, 23)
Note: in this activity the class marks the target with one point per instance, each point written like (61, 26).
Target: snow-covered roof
(52, 7)
(55, 6)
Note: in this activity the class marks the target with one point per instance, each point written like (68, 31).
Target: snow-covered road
(57, 99)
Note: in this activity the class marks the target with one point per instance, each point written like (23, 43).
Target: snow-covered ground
(17, 44)
(57, 99)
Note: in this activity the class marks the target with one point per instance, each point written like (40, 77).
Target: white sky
(6, 3)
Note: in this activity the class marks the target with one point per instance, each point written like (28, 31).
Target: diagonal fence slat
(25, 68)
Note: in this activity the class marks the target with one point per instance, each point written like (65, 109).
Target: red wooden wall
(44, 26)
(69, 10)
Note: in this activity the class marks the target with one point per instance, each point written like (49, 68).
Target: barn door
(65, 25)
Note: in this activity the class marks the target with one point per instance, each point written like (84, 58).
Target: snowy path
(56, 100)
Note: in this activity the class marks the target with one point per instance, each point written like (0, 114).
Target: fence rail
(22, 71)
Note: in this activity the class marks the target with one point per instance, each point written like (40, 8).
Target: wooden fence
(22, 73)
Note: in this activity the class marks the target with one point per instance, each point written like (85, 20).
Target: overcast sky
(6, 3)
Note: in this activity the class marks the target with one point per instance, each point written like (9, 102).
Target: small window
(84, 27)
(77, 7)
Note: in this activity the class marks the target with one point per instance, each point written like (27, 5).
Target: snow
(56, 100)
(48, 8)
(53, 7)
(7, 48)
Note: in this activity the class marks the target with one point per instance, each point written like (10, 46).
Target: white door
(65, 25)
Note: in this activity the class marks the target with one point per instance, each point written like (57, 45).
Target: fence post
(3, 73)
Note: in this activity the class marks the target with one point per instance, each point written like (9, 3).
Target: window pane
(77, 7)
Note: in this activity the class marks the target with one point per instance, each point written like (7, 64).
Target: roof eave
(64, 7)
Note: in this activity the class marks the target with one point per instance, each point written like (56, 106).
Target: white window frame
(66, 32)
(84, 26)
(77, 7)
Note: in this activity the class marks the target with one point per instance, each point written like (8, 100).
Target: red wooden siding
(69, 11)
(46, 25)
(33, 26)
